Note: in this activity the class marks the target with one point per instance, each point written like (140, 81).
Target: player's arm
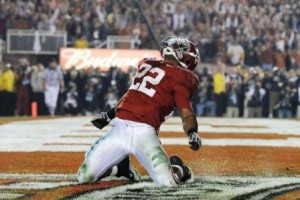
(102, 119)
(190, 127)
(189, 121)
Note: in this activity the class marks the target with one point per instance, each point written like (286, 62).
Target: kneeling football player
(158, 87)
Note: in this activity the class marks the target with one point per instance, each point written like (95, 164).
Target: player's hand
(100, 120)
(194, 141)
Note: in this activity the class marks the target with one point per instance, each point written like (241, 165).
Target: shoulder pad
(141, 62)
(151, 61)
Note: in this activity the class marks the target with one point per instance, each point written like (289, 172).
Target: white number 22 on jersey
(154, 81)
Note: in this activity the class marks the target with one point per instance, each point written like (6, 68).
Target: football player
(158, 87)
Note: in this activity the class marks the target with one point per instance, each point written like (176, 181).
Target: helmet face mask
(183, 50)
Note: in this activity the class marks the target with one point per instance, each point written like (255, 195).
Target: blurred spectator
(53, 84)
(233, 97)
(199, 99)
(267, 57)
(254, 100)
(267, 85)
(122, 80)
(111, 99)
(284, 105)
(178, 18)
(37, 86)
(210, 104)
(236, 53)
(100, 90)
(295, 58)
(279, 59)
(23, 87)
(251, 55)
(48, 23)
(76, 77)
(220, 92)
(1, 94)
(90, 104)
(298, 94)
(81, 42)
(278, 82)
(208, 49)
(71, 103)
(8, 91)
(294, 98)
(2, 24)
(205, 104)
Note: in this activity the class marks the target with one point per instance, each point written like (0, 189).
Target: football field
(239, 159)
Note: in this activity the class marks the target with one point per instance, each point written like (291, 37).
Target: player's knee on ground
(165, 181)
(84, 175)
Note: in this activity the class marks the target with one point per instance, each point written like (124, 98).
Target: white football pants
(127, 137)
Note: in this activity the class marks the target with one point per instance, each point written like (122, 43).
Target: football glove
(194, 141)
(103, 119)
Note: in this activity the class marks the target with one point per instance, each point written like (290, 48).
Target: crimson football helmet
(183, 50)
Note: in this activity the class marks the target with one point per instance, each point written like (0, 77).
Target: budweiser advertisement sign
(103, 58)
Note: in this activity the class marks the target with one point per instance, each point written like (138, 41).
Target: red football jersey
(156, 89)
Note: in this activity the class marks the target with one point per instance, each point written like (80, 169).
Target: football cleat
(126, 170)
(186, 171)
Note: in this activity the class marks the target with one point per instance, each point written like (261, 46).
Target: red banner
(103, 58)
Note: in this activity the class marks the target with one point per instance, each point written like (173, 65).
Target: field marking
(239, 126)
(7, 195)
(50, 135)
(80, 136)
(271, 193)
(84, 145)
(35, 185)
(45, 177)
(203, 188)
(66, 144)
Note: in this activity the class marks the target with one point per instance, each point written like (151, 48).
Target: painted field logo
(40, 186)
(203, 188)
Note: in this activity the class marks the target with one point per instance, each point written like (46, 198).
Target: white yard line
(7, 195)
(48, 135)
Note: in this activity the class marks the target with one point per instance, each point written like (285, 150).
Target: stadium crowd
(257, 40)
(76, 91)
(241, 29)
(237, 92)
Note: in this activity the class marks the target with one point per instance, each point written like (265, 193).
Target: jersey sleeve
(182, 97)
(186, 86)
